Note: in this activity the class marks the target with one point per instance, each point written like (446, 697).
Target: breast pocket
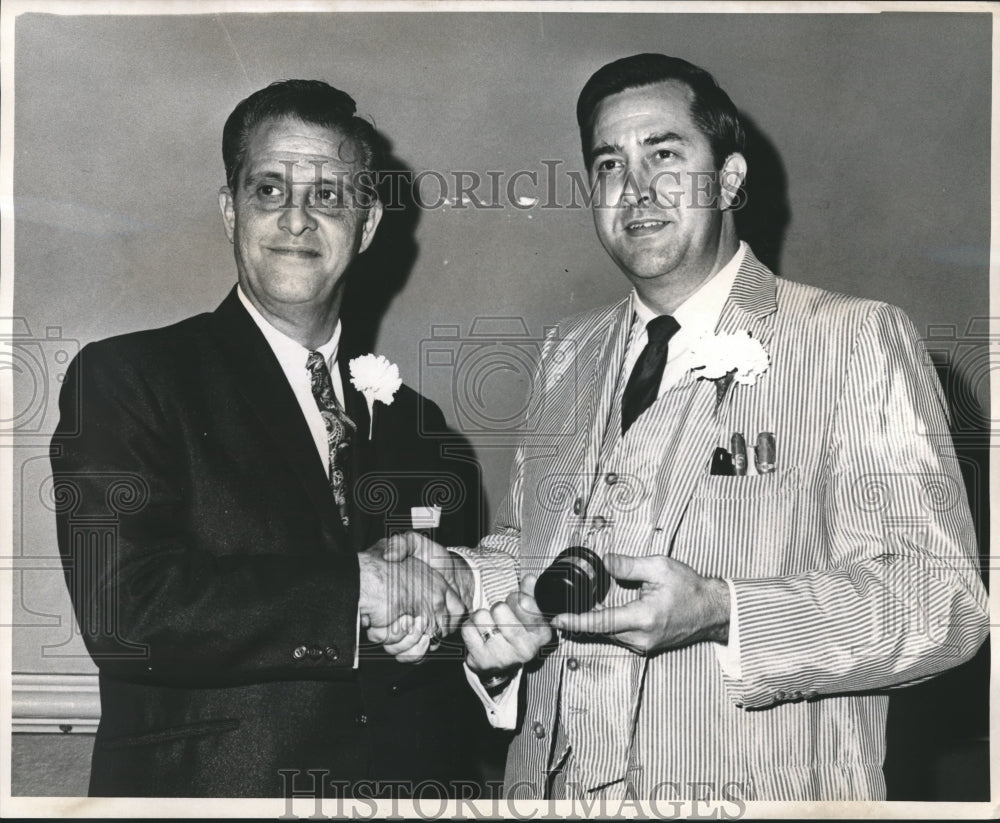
(740, 526)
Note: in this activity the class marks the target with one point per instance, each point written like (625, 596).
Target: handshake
(414, 593)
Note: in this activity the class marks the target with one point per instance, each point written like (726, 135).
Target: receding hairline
(273, 119)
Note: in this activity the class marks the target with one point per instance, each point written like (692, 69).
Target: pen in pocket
(764, 453)
(738, 447)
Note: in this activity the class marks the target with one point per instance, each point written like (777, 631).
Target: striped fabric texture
(854, 563)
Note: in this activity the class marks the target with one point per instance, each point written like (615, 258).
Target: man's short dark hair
(711, 108)
(311, 101)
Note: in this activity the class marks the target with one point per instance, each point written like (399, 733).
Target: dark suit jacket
(216, 587)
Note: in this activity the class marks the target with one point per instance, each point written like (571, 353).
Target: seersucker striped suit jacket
(854, 564)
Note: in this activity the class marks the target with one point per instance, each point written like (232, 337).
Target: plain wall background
(873, 152)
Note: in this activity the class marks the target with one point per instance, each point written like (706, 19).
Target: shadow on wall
(378, 275)
(373, 282)
(763, 220)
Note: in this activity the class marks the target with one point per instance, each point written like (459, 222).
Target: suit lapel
(354, 401)
(610, 368)
(750, 306)
(262, 383)
(363, 450)
(598, 365)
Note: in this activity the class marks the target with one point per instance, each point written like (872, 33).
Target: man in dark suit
(247, 484)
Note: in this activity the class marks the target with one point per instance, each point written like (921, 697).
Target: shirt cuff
(501, 710)
(478, 597)
(728, 654)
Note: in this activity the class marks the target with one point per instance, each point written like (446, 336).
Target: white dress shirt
(698, 315)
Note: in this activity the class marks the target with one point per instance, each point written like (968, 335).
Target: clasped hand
(508, 635)
(414, 592)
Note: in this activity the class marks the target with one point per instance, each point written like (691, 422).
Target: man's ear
(372, 218)
(228, 211)
(731, 178)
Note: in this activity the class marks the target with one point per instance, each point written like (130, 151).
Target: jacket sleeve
(497, 557)
(159, 597)
(902, 599)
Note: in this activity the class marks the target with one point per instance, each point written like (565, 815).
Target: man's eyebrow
(259, 176)
(663, 137)
(605, 148)
(650, 140)
(339, 178)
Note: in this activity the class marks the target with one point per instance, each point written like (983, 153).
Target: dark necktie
(644, 382)
(339, 430)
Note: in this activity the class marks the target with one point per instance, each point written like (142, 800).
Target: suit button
(578, 505)
(572, 664)
(538, 730)
(611, 478)
(315, 652)
(332, 653)
(299, 652)
(394, 689)
(362, 719)
(599, 523)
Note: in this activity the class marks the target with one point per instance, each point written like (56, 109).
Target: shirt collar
(700, 312)
(291, 354)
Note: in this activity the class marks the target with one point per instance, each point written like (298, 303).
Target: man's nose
(296, 215)
(638, 189)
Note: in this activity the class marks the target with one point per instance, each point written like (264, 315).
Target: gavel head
(575, 582)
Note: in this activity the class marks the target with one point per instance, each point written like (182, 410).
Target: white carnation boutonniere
(725, 358)
(377, 379)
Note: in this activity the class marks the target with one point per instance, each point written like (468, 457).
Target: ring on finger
(486, 635)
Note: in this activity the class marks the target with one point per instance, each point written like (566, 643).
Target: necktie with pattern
(339, 430)
(644, 382)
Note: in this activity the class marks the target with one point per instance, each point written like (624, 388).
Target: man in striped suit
(761, 609)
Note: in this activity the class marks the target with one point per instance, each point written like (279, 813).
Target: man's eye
(328, 197)
(268, 191)
(665, 154)
(608, 165)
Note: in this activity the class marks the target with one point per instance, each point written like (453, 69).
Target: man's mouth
(294, 251)
(645, 226)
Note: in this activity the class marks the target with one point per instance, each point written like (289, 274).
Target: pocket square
(425, 517)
